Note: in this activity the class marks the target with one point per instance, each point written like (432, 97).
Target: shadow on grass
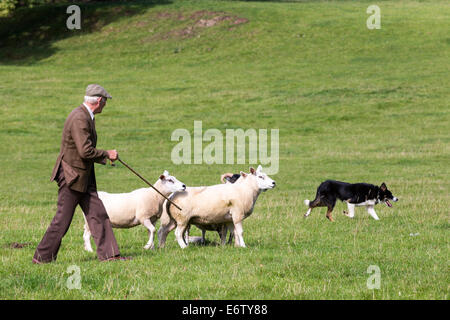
(28, 36)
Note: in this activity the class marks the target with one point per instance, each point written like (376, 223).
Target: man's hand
(112, 155)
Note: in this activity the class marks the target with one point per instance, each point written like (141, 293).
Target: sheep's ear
(252, 170)
(243, 174)
(166, 173)
(259, 169)
(162, 177)
(383, 187)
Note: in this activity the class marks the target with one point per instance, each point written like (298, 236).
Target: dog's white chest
(366, 203)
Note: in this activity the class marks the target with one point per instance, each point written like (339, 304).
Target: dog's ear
(383, 187)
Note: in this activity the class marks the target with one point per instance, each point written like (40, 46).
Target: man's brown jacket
(78, 153)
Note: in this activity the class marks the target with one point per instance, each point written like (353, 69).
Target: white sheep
(141, 206)
(168, 225)
(217, 204)
(222, 228)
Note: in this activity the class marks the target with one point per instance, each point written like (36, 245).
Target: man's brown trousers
(96, 216)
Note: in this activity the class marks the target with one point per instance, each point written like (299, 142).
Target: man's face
(101, 104)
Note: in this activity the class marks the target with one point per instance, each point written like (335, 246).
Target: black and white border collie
(356, 194)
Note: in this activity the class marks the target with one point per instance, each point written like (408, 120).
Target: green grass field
(350, 104)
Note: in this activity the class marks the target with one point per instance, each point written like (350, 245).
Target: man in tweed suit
(75, 175)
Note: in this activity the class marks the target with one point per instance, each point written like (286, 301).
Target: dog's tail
(306, 202)
(225, 175)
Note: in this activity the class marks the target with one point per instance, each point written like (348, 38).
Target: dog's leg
(372, 212)
(351, 210)
(331, 202)
(330, 209)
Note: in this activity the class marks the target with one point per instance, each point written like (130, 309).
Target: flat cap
(94, 90)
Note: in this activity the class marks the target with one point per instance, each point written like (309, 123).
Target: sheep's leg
(223, 234)
(230, 226)
(230, 239)
(151, 231)
(179, 234)
(186, 233)
(87, 236)
(203, 236)
(164, 231)
(239, 241)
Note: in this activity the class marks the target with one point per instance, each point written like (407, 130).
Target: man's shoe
(118, 258)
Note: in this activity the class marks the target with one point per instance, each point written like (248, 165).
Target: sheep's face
(263, 180)
(170, 183)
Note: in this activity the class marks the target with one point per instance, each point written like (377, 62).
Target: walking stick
(120, 160)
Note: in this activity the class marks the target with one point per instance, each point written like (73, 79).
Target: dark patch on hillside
(192, 24)
(28, 36)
